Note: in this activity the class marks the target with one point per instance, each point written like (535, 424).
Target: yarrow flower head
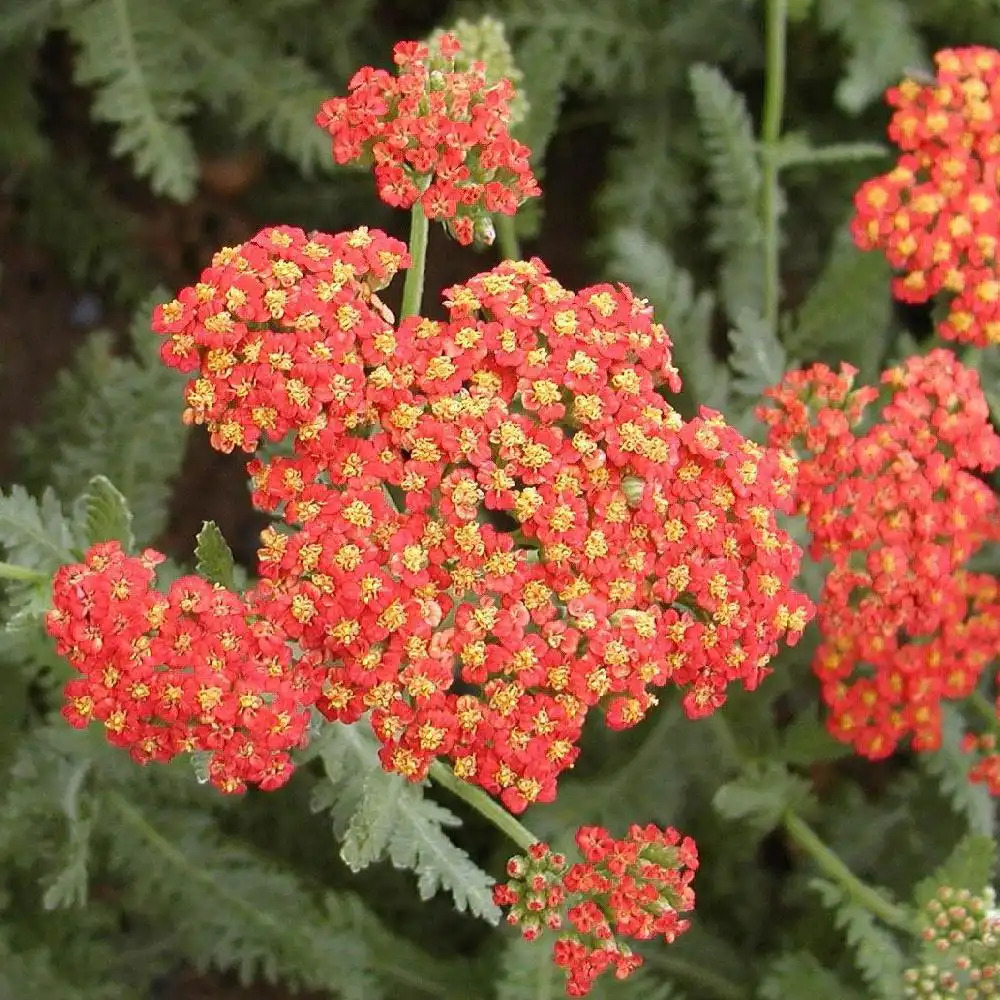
(898, 510)
(194, 669)
(637, 887)
(501, 522)
(437, 133)
(936, 215)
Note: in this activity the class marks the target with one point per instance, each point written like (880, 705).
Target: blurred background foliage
(136, 138)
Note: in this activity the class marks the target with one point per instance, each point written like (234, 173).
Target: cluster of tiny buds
(636, 887)
(962, 932)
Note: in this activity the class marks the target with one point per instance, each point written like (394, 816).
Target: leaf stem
(487, 807)
(774, 102)
(8, 571)
(413, 287)
(510, 249)
(804, 837)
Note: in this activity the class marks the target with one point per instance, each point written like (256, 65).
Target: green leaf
(757, 360)
(35, 533)
(877, 955)
(762, 795)
(735, 180)
(92, 420)
(798, 975)
(882, 41)
(25, 20)
(807, 741)
(846, 316)
(214, 556)
(107, 515)
(377, 814)
(949, 766)
(795, 150)
(969, 866)
(687, 314)
(544, 63)
(127, 53)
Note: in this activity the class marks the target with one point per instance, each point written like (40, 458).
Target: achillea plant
(500, 533)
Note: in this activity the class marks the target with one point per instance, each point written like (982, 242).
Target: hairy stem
(774, 102)
(805, 838)
(507, 237)
(413, 288)
(483, 804)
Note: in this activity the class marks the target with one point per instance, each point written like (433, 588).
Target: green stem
(8, 571)
(507, 237)
(774, 102)
(486, 807)
(413, 288)
(707, 982)
(804, 837)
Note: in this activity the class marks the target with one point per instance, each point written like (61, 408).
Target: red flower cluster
(437, 134)
(936, 215)
(501, 522)
(194, 669)
(273, 327)
(898, 512)
(636, 887)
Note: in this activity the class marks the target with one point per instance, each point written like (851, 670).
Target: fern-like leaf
(949, 766)
(106, 513)
(799, 974)
(735, 179)
(846, 315)
(377, 814)
(92, 420)
(969, 866)
(35, 533)
(882, 41)
(129, 55)
(877, 956)
(761, 796)
(757, 360)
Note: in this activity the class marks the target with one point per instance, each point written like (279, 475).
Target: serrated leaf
(761, 795)
(798, 975)
(378, 814)
(950, 767)
(735, 178)
(969, 866)
(107, 514)
(140, 87)
(757, 360)
(807, 741)
(878, 957)
(882, 41)
(795, 150)
(214, 556)
(35, 533)
(846, 315)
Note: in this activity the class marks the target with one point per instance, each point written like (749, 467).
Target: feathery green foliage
(376, 815)
(117, 414)
(735, 179)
